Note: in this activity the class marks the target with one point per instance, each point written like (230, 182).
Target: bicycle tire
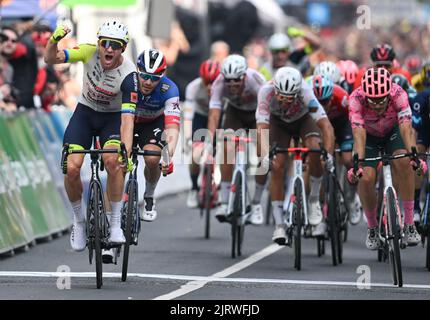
(428, 253)
(236, 214)
(97, 199)
(207, 200)
(332, 220)
(130, 217)
(297, 220)
(394, 229)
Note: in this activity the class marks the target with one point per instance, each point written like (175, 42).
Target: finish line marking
(37, 274)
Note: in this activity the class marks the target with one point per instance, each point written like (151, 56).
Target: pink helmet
(376, 82)
(349, 70)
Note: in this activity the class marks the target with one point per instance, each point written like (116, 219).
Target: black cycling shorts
(151, 132)
(86, 123)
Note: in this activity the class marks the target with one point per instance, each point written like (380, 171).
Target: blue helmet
(323, 87)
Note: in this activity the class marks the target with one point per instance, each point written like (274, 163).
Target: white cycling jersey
(196, 98)
(246, 101)
(305, 103)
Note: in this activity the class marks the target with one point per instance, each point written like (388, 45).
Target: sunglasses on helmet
(115, 44)
(146, 76)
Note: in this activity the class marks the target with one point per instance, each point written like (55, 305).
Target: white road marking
(37, 274)
(198, 284)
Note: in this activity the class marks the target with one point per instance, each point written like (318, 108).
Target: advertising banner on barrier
(52, 206)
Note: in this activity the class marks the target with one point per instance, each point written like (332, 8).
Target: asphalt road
(174, 261)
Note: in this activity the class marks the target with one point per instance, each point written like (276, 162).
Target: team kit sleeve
(265, 96)
(82, 52)
(190, 101)
(215, 101)
(355, 107)
(404, 112)
(129, 91)
(172, 109)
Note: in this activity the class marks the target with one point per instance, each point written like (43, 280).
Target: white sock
(315, 187)
(78, 215)
(259, 188)
(278, 212)
(225, 191)
(150, 189)
(116, 208)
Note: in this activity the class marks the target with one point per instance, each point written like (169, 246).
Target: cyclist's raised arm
(130, 96)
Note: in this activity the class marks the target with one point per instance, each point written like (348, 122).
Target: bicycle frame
(388, 184)
(240, 167)
(298, 174)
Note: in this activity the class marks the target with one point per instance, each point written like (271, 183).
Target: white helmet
(279, 41)
(234, 66)
(115, 30)
(329, 70)
(288, 80)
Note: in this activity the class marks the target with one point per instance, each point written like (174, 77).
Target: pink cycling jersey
(362, 116)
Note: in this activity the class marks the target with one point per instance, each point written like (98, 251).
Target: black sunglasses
(234, 80)
(115, 44)
(5, 38)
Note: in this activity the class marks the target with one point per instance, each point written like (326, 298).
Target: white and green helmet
(115, 30)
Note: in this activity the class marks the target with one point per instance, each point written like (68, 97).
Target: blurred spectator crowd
(25, 80)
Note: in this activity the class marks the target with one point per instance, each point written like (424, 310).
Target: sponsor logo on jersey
(133, 97)
(164, 87)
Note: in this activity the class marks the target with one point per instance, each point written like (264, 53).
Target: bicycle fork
(298, 166)
(388, 182)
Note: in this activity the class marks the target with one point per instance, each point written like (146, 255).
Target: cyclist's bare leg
(115, 180)
(418, 182)
(227, 170)
(315, 167)
(277, 187)
(404, 175)
(367, 193)
(152, 170)
(72, 180)
(194, 166)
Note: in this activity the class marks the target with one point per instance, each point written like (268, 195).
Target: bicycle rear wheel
(207, 199)
(131, 211)
(332, 220)
(236, 215)
(394, 239)
(96, 200)
(297, 222)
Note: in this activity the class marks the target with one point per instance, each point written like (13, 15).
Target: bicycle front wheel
(394, 238)
(297, 223)
(207, 199)
(130, 213)
(96, 203)
(236, 215)
(332, 220)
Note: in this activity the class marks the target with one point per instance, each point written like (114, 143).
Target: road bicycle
(390, 224)
(130, 219)
(297, 217)
(97, 224)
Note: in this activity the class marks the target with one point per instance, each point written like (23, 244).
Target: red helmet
(383, 54)
(376, 82)
(209, 71)
(349, 70)
(413, 63)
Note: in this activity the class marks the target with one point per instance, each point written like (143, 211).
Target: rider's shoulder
(167, 87)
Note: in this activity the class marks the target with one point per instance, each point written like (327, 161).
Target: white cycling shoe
(149, 213)
(355, 211)
(257, 214)
(78, 239)
(193, 199)
(315, 213)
